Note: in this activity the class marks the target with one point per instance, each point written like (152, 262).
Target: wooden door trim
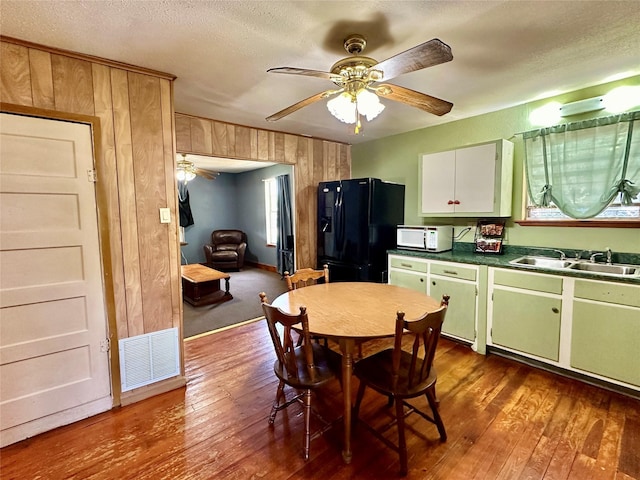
(103, 227)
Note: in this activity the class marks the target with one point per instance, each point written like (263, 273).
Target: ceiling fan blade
(305, 72)
(421, 56)
(297, 106)
(415, 99)
(206, 174)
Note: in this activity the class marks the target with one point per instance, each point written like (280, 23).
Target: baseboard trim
(263, 266)
(152, 390)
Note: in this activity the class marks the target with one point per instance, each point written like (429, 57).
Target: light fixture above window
(582, 106)
(617, 100)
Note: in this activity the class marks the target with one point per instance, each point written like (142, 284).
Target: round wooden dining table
(351, 313)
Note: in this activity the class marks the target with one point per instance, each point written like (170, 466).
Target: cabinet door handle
(433, 283)
(555, 310)
(456, 202)
(422, 279)
(407, 265)
(450, 202)
(450, 272)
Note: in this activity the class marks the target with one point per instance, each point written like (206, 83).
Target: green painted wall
(395, 158)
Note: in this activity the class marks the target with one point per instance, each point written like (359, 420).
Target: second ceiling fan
(358, 80)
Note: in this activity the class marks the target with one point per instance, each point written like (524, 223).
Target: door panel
(54, 366)
(475, 178)
(460, 319)
(526, 322)
(438, 182)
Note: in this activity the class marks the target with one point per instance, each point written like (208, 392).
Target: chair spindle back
(424, 333)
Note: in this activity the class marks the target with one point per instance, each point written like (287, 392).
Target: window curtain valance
(581, 167)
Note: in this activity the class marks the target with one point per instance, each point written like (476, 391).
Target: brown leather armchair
(226, 251)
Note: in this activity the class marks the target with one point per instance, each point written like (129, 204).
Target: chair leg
(402, 444)
(356, 407)
(307, 423)
(433, 403)
(276, 402)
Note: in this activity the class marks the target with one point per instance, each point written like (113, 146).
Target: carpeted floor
(245, 305)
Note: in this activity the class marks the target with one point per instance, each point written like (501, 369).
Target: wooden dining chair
(305, 277)
(304, 368)
(400, 375)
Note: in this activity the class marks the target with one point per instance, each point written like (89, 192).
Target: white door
(54, 364)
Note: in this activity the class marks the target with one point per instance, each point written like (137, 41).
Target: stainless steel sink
(623, 270)
(617, 270)
(542, 262)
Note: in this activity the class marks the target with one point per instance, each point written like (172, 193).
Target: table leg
(346, 348)
(226, 286)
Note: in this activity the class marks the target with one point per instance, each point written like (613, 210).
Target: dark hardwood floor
(504, 420)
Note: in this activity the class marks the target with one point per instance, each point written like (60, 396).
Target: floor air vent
(149, 358)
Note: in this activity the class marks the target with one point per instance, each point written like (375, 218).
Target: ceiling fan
(187, 171)
(358, 80)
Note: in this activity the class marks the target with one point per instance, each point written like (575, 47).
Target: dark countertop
(463, 253)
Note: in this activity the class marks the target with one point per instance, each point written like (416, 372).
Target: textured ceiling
(505, 52)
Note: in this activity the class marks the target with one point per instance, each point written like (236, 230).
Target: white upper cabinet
(473, 181)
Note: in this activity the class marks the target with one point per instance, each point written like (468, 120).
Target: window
(615, 211)
(271, 210)
(587, 171)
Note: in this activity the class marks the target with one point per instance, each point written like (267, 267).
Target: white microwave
(425, 238)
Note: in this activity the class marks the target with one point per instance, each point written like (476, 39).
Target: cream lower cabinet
(584, 326)
(437, 278)
(408, 272)
(605, 332)
(526, 312)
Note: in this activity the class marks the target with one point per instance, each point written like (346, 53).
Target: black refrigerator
(357, 221)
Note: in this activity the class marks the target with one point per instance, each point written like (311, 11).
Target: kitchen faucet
(562, 254)
(579, 254)
(592, 258)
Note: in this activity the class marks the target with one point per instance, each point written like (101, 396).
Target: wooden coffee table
(201, 285)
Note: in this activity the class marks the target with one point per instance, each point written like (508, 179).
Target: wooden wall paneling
(305, 213)
(107, 169)
(220, 139)
(15, 75)
(246, 144)
(201, 141)
(166, 99)
(183, 133)
(330, 161)
(345, 162)
(72, 85)
(231, 140)
(319, 161)
(41, 79)
(151, 195)
(276, 147)
(263, 145)
(290, 147)
(133, 323)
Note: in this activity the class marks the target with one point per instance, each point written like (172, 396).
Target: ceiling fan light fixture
(185, 170)
(346, 107)
(343, 108)
(369, 104)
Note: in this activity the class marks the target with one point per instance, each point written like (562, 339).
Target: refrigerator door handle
(339, 219)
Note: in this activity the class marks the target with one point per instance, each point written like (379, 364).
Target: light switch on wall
(165, 215)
